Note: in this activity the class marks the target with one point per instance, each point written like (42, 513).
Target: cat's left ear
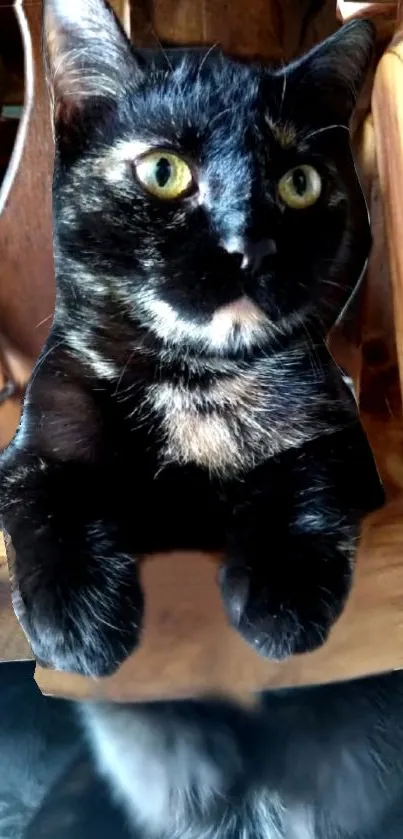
(87, 55)
(331, 75)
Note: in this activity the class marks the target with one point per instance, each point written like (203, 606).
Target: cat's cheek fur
(85, 347)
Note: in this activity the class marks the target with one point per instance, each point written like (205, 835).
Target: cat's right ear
(326, 81)
(88, 58)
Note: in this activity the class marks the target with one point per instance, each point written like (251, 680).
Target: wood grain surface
(27, 286)
(387, 108)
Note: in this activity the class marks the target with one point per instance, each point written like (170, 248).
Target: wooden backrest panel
(387, 108)
(268, 29)
(26, 261)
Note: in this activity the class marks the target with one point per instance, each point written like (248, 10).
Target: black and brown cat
(208, 227)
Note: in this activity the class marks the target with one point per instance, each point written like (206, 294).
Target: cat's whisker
(162, 50)
(205, 58)
(312, 351)
(333, 284)
(44, 358)
(123, 371)
(220, 115)
(44, 320)
(283, 92)
(324, 129)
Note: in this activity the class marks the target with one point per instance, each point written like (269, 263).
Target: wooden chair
(188, 647)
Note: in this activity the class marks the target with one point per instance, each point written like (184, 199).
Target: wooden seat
(188, 647)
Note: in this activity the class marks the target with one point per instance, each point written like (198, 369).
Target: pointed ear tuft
(87, 54)
(334, 71)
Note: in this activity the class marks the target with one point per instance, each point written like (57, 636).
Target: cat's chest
(227, 427)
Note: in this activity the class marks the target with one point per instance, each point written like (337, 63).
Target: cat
(322, 762)
(208, 228)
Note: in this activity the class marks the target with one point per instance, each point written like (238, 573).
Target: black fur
(149, 423)
(311, 763)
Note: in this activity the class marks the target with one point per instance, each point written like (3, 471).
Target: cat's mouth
(242, 317)
(236, 325)
(240, 312)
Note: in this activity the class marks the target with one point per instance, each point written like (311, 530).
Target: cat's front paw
(287, 606)
(80, 605)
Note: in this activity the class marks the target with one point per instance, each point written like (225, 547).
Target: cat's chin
(241, 324)
(242, 320)
(241, 312)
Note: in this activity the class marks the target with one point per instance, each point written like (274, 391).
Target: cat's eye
(164, 174)
(300, 187)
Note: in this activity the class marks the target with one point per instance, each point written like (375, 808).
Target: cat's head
(215, 203)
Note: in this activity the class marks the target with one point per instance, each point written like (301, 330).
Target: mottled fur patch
(238, 420)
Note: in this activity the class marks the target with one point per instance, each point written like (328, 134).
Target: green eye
(300, 187)
(164, 174)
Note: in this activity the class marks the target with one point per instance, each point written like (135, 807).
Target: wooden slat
(27, 286)
(387, 108)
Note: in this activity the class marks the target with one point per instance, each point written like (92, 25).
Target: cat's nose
(252, 253)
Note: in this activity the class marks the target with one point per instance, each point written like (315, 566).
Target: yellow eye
(300, 187)
(164, 174)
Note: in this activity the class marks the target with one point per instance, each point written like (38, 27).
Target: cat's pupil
(163, 172)
(299, 181)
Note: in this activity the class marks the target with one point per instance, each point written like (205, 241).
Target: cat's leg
(293, 539)
(76, 591)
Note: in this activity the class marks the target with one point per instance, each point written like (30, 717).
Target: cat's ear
(333, 73)
(87, 55)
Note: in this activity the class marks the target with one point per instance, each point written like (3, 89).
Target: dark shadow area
(48, 783)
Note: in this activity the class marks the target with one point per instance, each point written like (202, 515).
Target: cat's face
(213, 202)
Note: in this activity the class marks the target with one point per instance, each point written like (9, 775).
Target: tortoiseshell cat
(209, 225)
